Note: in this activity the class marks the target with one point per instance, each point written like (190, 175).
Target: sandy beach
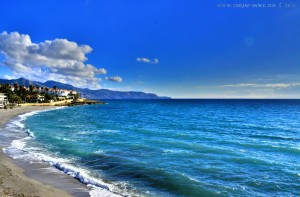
(13, 179)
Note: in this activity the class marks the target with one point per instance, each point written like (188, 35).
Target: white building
(12, 88)
(64, 93)
(3, 100)
(40, 98)
(73, 92)
(68, 94)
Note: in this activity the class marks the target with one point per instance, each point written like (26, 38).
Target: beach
(17, 181)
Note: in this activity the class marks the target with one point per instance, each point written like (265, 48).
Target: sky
(177, 48)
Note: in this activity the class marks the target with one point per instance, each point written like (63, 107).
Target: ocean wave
(19, 150)
(17, 124)
(29, 133)
(19, 144)
(275, 148)
(190, 177)
(108, 131)
(83, 132)
(65, 139)
(176, 151)
(97, 186)
(99, 152)
(97, 131)
(272, 137)
(100, 192)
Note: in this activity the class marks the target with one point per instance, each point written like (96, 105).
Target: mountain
(50, 84)
(20, 82)
(87, 93)
(110, 94)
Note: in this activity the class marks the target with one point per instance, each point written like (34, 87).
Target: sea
(172, 148)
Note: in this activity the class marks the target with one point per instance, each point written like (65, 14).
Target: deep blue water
(175, 147)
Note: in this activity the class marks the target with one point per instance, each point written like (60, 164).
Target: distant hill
(20, 82)
(87, 93)
(50, 84)
(109, 94)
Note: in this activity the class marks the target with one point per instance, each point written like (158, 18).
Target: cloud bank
(57, 59)
(146, 60)
(270, 85)
(114, 79)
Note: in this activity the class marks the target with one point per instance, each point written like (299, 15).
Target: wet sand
(23, 179)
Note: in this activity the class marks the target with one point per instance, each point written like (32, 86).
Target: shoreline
(20, 178)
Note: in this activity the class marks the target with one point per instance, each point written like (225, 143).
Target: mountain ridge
(86, 93)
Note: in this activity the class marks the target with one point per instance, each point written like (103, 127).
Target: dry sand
(13, 182)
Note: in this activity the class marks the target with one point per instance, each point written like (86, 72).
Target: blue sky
(187, 49)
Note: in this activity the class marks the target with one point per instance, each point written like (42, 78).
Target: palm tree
(31, 88)
(15, 99)
(16, 86)
(23, 93)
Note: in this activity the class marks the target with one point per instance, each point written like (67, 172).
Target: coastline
(18, 178)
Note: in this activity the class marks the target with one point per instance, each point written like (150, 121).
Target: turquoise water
(174, 147)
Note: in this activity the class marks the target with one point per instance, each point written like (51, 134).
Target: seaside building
(3, 100)
(35, 94)
(63, 94)
(35, 98)
(73, 92)
(12, 88)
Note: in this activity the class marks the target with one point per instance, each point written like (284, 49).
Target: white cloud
(270, 85)
(155, 61)
(114, 79)
(142, 59)
(58, 59)
(7, 77)
(146, 60)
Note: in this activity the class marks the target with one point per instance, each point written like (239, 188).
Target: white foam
(18, 123)
(83, 132)
(108, 131)
(99, 151)
(24, 116)
(67, 139)
(99, 192)
(30, 134)
(175, 151)
(98, 131)
(98, 187)
(190, 177)
(64, 139)
(18, 144)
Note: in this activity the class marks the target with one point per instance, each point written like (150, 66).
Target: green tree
(76, 96)
(16, 87)
(15, 99)
(31, 88)
(48, 97)
(5, 88)
(23, 93)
